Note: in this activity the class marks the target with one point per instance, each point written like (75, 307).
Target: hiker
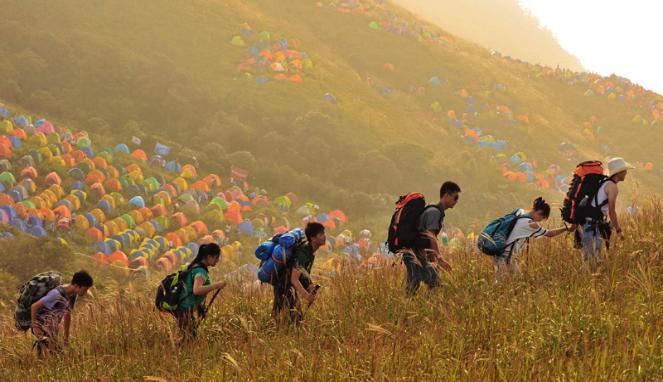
(599, 226)
(49, 311)
(198, 284)
(294, 281)
(413, 233)
(525, 227)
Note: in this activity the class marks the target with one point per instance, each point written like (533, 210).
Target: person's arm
(612, 191)
(199, 289)
(540, 231)
(556, 232)
(33, 310)
(437, 251)
(67, 325)
(294, 280)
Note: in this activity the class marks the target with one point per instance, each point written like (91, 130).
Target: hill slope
(496, 24)
(403, 98)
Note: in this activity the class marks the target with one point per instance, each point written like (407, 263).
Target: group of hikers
(589, 207)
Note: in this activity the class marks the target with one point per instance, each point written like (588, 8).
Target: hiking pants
(286, 300)
(505, 262)
(591, 244)
(418, 270)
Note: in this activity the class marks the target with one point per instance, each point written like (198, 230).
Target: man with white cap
(606, 200)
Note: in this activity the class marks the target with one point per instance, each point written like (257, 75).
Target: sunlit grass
(555, 323)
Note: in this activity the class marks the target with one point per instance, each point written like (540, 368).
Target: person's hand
(310, 298)
(620, 234)
(220, 285)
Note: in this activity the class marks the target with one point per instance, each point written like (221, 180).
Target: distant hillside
(349, 103)
(496, 24)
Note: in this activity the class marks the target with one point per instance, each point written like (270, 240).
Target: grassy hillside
(504, 26)
(169, 71)
(554, 324)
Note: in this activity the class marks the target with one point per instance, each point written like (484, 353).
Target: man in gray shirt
(431, 223)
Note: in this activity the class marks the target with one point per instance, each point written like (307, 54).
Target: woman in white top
(526, 227)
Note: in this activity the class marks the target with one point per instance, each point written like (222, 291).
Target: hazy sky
(624, 37)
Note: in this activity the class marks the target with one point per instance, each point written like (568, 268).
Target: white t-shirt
(521, 232)
(602, 197)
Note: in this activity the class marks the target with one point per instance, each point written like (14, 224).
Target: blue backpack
(493, 238)
(275, 253)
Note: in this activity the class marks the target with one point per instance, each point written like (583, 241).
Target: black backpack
(581, 201)
(170, 288)
(30, 292)
(404, 226)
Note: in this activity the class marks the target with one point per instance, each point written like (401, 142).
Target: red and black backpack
(581, 201)
(404, 226)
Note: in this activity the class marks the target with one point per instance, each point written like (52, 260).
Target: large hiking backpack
(404, 225)
(275, 253)
(30, 292)
(583, 192)
(493, 238)
(169, 290)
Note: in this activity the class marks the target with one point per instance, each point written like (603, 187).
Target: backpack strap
(596, 197)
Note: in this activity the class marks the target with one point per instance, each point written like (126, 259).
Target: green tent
(7, 178)
(238, 41)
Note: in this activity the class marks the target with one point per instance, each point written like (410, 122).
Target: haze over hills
(496, 24)
(350, 104)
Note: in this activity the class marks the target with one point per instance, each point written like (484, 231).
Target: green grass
(555, 323)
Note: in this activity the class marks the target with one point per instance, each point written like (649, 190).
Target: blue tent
(34, 221)
(17, 143)
(261, 80)
(173, 166)
(435, 81)
(19, 224)
(76, 173)
(122, 148)
(246, 227)
(78, 185)
(22, 121)
(37, 231)
(193, 247)
(4, 112)
(328, 97)
(88, 151)
(106, 206)
(161, 149)
(137, 201)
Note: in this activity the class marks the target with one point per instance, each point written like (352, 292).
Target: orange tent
(200, 227)
(94, 235)
(113, 185)
(179, 219)
(6, 200)
(29, 172)
(95, 176)
(234, 214)
(159, 210)
(112, 172)
(119, 258)
(139, 154)
(100, 162)
(53, 178)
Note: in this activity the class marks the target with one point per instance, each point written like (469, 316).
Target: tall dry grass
(554, 323)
